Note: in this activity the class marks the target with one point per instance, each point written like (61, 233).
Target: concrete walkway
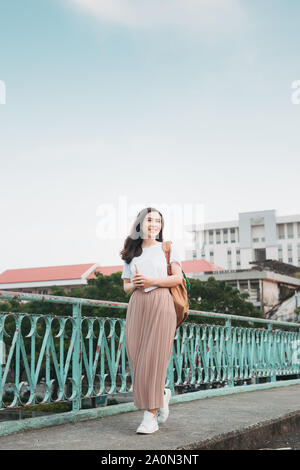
(189, 423)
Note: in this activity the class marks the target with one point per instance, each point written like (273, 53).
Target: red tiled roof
(49, 273)
(75, 271)
(199, 266)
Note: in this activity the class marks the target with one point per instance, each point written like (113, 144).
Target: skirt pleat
(149, 334)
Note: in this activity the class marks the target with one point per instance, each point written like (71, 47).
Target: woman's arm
(172, 280)
(128, 286)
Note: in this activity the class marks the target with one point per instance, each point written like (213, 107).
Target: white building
(255, 236)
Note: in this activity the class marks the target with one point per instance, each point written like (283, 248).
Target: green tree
(219, 297)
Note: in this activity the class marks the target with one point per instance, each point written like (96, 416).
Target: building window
(290, 254)
(290, 230)
(262, 239)
(229, 261)
(232, 235)
(211, 237)
(218, 237)
(255, 240)
(225, 235)
(238, 258)
(280, 231)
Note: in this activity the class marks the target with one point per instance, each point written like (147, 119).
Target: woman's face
(151, 225)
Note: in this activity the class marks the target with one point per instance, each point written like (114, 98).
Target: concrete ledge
(250, 438)
(231, 390)
(11, 427)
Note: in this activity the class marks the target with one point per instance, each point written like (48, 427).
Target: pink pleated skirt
(149, 334)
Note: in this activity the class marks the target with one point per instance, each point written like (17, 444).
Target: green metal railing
(68, 358)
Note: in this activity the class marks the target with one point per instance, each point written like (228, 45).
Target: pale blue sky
(185, 102)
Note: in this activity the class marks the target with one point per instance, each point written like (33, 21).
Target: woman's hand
(139, 280)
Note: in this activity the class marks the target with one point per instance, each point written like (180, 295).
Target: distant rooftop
(84, 271)
(46, 273)
(275, 266)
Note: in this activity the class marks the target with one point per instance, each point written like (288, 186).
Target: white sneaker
(164, 412)
(149, 424)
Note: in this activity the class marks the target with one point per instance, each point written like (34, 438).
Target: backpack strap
(166, 246)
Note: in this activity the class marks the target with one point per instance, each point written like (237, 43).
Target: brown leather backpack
(179, 292)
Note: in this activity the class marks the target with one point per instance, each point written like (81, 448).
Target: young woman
(151, 317)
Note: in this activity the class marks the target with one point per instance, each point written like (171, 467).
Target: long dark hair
(133, 243)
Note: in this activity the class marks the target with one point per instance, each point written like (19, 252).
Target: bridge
(229, 375)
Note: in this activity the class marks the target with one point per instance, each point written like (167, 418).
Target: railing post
(298, 352)
(77, 358)
(230, 378)
(271, 340)
(170, 372)
(2, 359)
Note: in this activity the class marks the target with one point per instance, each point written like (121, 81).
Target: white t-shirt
(151, 263)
